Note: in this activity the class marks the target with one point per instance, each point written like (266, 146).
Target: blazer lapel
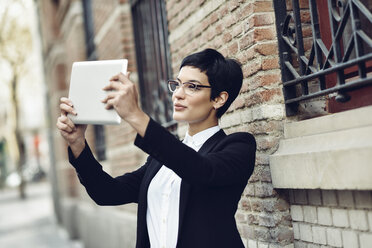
(185, 187)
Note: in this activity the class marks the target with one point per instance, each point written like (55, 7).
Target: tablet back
(87, 80)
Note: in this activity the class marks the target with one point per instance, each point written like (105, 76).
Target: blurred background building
(23, 133)
(306, 98)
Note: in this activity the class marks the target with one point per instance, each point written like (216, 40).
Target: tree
(15, 46)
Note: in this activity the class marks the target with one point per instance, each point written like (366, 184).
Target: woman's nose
(179, 92)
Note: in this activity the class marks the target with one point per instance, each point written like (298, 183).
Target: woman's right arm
(102, 188)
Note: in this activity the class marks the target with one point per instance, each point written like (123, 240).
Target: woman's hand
(73, 134)
(124, 99)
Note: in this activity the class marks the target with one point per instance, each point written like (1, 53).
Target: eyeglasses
(189, 87)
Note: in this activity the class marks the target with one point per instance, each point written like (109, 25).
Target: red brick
(270, 63)
(304, 4)
(268, 95)
(232, 49)
(281, 234)
(262, 158)
(266, 143)
(223, 11)
(263, 173)
(218, 29)
(246, 206)
(266, 220)
(269, 205)
(305, 16)
(241, 218)
(308, 42)
(249, 232)
(249, 190)
(229, 20)
(264, 33)
(234, 4)
(252, 100)
(251, 68)
(256, 204)
(262, 19)
(246, 11)
(267, 48)
(237, 31)
(211, 33)
(245, 86)
(247, 40)
(227, 37)
(263, 6)
(238, 103)
(264, 189)
(248, 24)
(306, 31)
(262, 233)
(265, 127)
(247, 55)
(218, 42)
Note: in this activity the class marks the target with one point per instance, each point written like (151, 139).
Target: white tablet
(87, 80)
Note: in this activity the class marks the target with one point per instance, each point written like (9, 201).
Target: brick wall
(243, 30)
(331, 218)
(114, 39)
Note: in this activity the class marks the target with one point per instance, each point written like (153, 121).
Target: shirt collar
(196, 141)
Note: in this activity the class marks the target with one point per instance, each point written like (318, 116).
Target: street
(30, 223)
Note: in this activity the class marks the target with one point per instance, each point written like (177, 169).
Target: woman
(187, 191)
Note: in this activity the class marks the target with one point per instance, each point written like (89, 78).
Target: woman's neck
(195, 128)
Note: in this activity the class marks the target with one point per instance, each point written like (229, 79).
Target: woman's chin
(178, 118)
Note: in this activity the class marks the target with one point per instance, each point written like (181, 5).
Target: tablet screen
(87, 80)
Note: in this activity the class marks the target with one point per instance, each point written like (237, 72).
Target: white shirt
(163, 198)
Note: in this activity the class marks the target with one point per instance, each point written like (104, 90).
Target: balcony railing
(310, 56)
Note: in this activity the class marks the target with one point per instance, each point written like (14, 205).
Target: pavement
(30, 223)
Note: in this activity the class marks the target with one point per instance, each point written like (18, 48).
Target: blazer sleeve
(231, 161)
(101, 187)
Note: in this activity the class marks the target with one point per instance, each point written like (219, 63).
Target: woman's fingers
(66, 123)
(109, 96)
(67, 109)
(66, 106)
(114, 85)
(66, 100)
(110, 103)
(121, 77)
(62, 126)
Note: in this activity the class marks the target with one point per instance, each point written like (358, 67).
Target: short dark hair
(223, 74)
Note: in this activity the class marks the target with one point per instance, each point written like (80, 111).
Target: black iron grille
(308, 55)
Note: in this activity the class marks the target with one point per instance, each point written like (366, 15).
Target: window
(99, 131)
(325, 49)
(153, 58)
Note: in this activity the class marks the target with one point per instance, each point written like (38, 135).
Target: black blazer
(213, 180)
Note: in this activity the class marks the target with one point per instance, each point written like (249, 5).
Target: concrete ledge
(329, 152)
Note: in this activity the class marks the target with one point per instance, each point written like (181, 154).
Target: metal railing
(342, 53)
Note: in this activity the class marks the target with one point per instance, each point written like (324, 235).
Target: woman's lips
(179, 107)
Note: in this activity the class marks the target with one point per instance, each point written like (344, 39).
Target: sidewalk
(30, 223)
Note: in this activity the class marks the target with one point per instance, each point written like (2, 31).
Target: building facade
(311, 185)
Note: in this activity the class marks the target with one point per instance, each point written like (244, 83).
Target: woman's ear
(220, 100)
